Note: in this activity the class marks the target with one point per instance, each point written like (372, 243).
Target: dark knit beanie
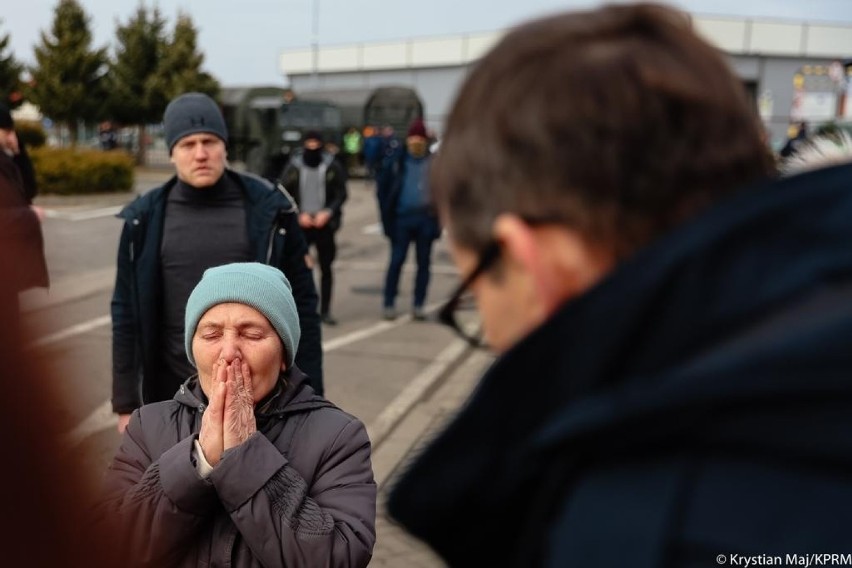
(6, 121)
(193, 113)
(417, 128)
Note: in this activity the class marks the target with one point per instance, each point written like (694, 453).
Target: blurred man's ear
(559, 262)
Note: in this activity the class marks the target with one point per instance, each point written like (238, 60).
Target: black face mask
(312, 158)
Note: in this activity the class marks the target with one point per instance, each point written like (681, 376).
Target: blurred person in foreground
(204, 216)
(246, 466)
(20, 224)
(45, 493)
(672, 322)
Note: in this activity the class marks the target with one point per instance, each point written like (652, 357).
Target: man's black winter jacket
(275, 239)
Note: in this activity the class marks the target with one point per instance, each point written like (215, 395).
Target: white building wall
(728, 35)
(764, 51)
(829, 41)
(334, 60)
(772, 38)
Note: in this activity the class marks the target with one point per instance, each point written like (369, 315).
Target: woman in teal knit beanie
(246, 452)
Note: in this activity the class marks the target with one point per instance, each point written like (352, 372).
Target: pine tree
(68, 76)
(10, 76)
(180, 68)
(134, 95)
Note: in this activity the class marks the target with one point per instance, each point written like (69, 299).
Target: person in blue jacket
(408, 217)
(672, 322)
(205, 216)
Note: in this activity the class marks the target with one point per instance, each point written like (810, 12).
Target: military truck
(266, 125)
(393, 106)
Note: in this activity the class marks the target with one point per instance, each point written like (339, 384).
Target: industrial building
(794, 70)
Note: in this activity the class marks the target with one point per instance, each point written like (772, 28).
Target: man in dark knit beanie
(205, 216)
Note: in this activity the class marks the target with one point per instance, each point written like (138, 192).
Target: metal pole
(315, 43)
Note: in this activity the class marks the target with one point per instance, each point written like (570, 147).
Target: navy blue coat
(275, 239)
(697, 402)
(388, 191)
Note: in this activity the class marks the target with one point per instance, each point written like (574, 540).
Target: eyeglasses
(449, 315)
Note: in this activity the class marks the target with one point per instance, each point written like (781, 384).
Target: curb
(446, 361)
(428, 416)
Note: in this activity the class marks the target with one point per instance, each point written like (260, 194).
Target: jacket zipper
(275, 229)
(134, 294)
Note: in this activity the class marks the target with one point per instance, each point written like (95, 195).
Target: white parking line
(101, 419)
(84, 327)
(387, 420)
(83, 215)
(374, 229)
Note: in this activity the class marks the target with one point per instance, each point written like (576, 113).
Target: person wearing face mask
(407, 216)
(318, 184)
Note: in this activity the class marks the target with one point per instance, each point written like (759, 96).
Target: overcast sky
(242, 38)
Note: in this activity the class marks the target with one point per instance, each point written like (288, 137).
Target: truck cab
(266, 125)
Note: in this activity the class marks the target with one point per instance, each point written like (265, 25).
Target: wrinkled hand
(321, 218)
(212, 437)
(239, 422)
(306, 220)
(229, 418)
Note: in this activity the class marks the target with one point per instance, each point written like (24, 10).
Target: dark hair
(619, 122)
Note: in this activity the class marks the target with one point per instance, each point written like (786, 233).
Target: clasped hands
(229, 418)
(316, 220)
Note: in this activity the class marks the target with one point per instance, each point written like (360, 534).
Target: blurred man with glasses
(673, 325)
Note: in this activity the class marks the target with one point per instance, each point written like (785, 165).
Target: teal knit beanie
(259, 286)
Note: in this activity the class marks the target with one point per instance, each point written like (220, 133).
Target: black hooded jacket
(275, 239)
(335, 185)
(696, 403)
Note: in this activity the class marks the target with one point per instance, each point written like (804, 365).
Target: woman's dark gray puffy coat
(299, 492)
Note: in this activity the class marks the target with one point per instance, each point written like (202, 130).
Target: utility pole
(315, 43)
